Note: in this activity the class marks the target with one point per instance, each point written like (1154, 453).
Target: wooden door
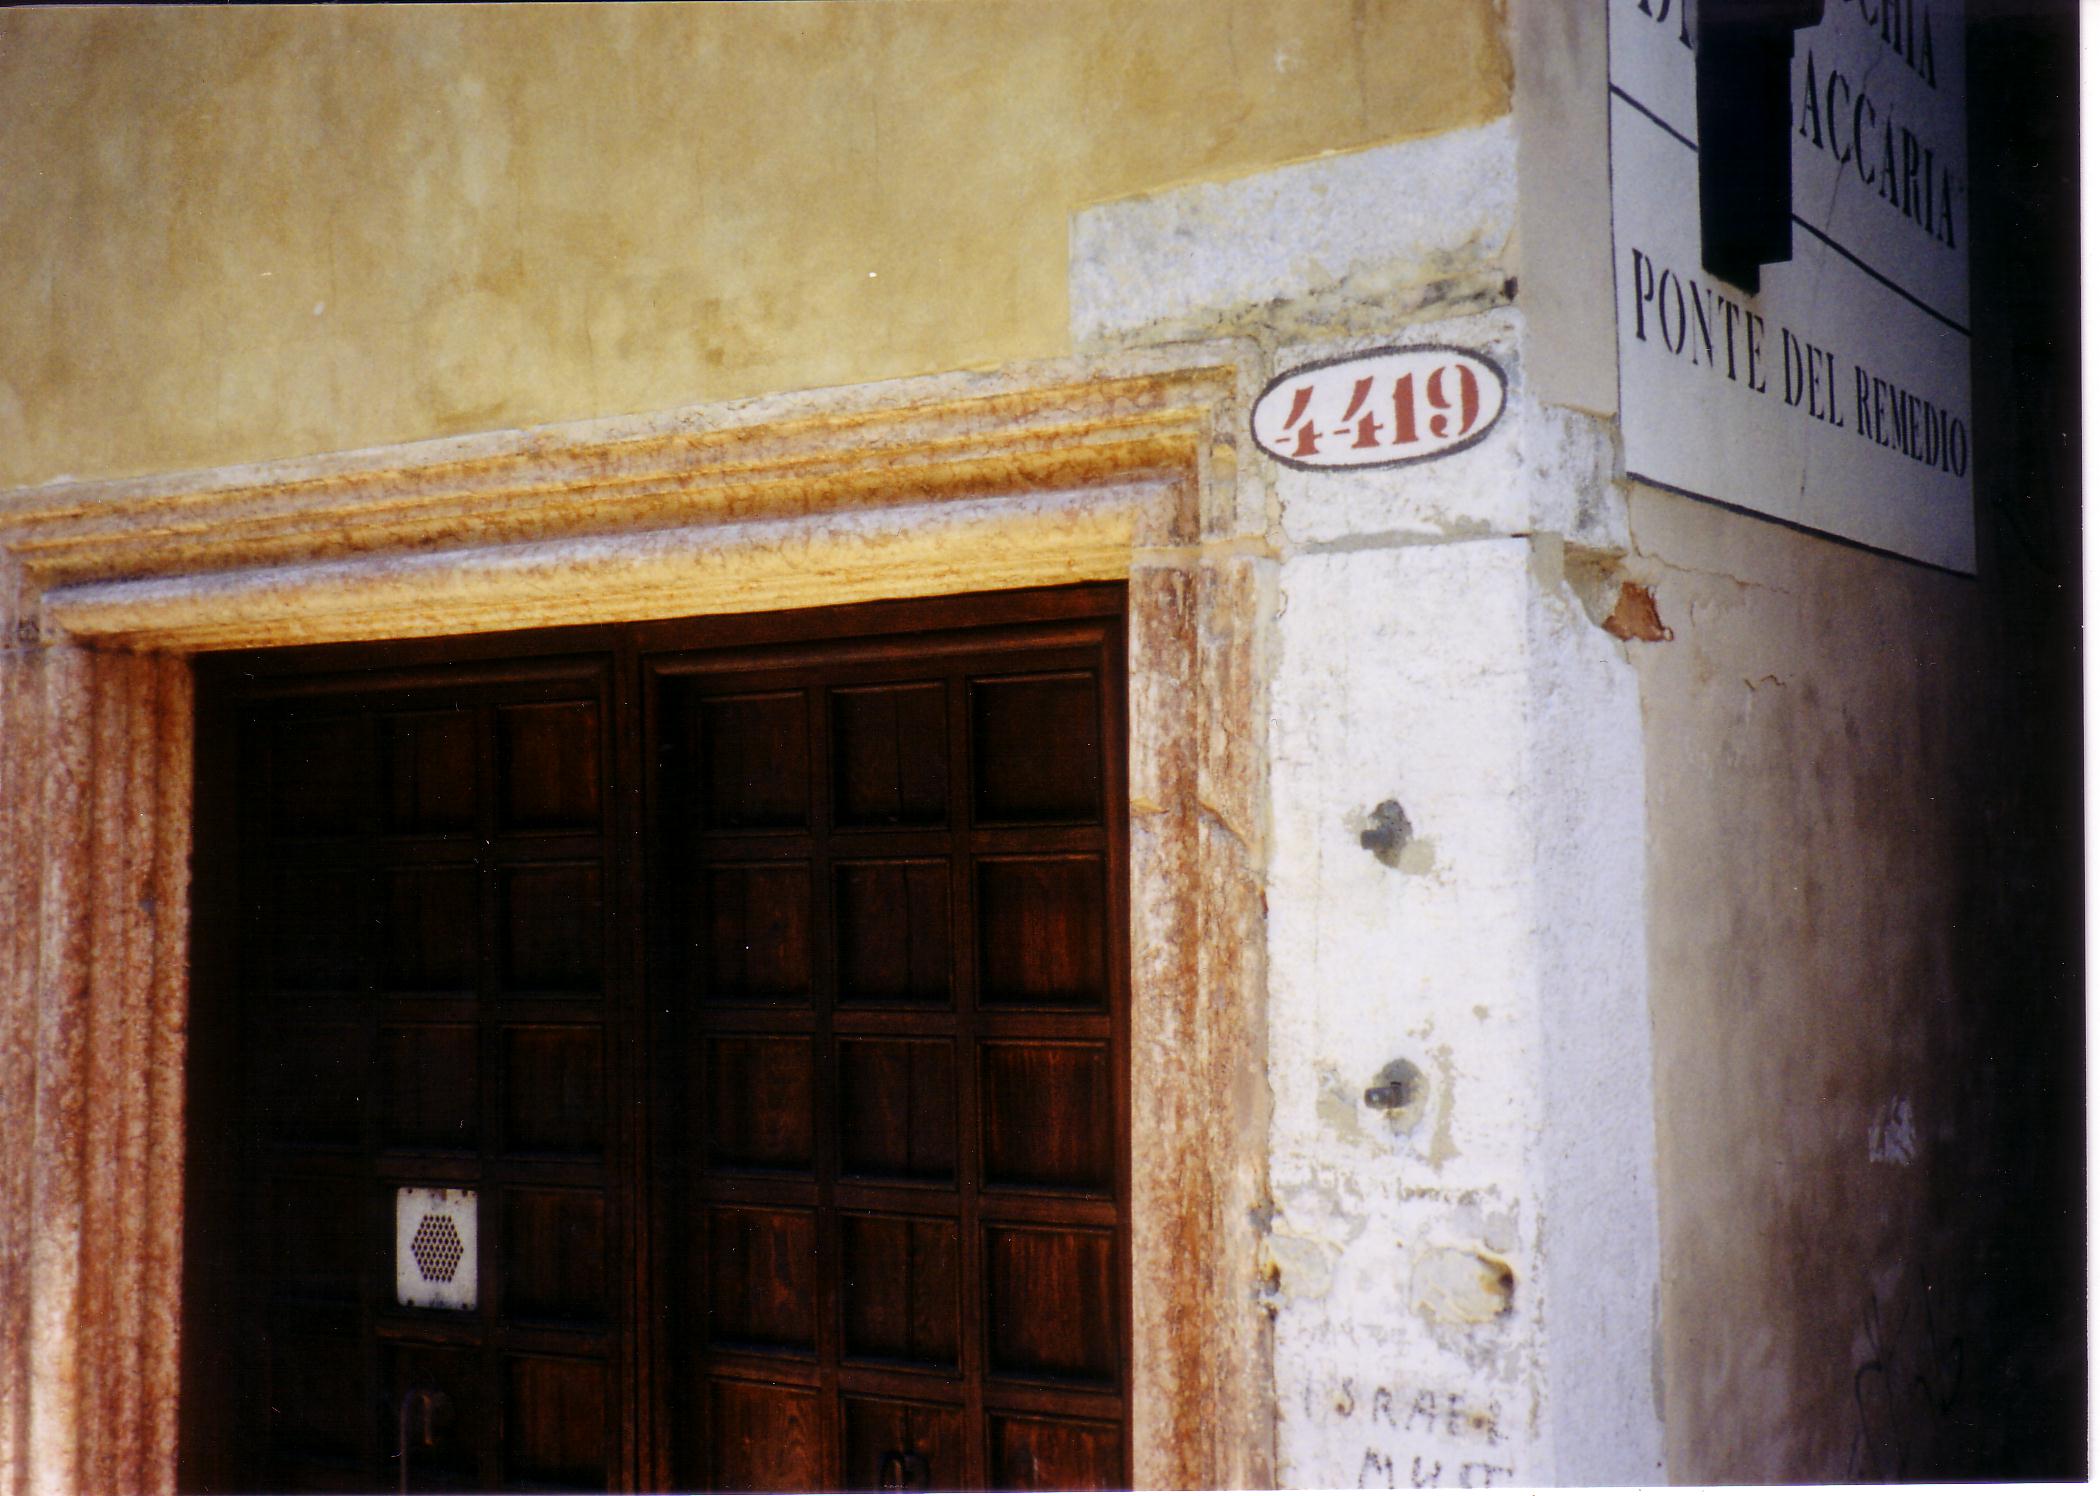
(429, 994)
(763, 980)
(888, 956)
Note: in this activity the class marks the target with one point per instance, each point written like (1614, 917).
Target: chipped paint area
(1893, 1137)
(1462, 1285)
(1634, 616)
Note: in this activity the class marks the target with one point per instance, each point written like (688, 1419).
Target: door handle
(903, 1471)
(421, 1412)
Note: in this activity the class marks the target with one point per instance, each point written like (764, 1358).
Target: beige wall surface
(230, 234)
(1830, 1110)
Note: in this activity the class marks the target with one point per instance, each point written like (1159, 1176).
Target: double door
(681, 1055)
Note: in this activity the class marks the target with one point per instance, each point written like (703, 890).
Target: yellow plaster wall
(229, 234)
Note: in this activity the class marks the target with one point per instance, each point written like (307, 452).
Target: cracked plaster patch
(1462, 1285)
(1299, 1267)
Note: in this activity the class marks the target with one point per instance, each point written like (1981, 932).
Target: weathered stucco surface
(1826, 1111)
(1463, 1282)
(233, 234)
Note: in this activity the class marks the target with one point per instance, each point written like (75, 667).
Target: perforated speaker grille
(434, 1248)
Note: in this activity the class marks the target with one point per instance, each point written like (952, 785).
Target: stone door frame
(1130, 468)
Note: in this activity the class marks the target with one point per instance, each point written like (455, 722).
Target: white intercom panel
(435, 1235)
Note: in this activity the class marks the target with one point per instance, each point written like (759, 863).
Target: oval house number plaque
(1380, 409)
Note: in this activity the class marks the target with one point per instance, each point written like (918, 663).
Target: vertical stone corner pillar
(95, 818)
(1465, 1269)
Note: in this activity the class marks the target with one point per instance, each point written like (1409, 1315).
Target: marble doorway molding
(1131, 468)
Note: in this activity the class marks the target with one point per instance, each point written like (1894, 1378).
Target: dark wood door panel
(1055, 1454)
(760, 1436)
(1042, 931)
(1013, 721)
(892, 932)
(889, 755)
(897, 1110)
(900, 1278)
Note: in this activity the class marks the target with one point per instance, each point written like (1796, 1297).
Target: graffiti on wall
(1905, 1385)
(1397, 1423)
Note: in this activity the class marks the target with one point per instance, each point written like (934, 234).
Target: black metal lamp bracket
(1745, 51)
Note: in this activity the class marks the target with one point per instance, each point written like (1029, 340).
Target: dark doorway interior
(746, 999)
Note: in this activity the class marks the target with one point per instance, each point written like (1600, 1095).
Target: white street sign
(1837, 396)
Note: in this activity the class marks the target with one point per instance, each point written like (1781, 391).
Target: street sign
(1835, 395)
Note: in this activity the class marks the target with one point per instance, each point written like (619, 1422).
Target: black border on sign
(1501, 380)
